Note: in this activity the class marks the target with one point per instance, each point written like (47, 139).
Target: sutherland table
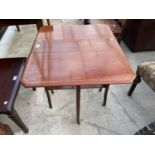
(77, 56)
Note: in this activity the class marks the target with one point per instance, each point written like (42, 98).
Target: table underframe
(78, 95)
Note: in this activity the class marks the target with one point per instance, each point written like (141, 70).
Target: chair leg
(48, 22)
(15, 117)
(18, 29)
(48, 97)
(133, 86)
(105, 94)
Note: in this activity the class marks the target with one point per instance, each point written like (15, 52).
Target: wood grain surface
(76, 55)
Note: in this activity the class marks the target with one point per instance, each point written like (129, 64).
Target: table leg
(52, 91)
(34, 88)
(100, 89)
(39, 24)
(48, 97)
(87, 21)
(15, 117)
(105, 94)
(78, 104)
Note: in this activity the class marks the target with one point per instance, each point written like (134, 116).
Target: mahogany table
(76, 55)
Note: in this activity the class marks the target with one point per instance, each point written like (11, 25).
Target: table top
(76, 55)
(10, 70)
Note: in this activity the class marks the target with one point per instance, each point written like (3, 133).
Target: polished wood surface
(11, 70)
(76, 55)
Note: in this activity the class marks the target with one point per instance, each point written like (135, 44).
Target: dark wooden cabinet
(139, 34)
